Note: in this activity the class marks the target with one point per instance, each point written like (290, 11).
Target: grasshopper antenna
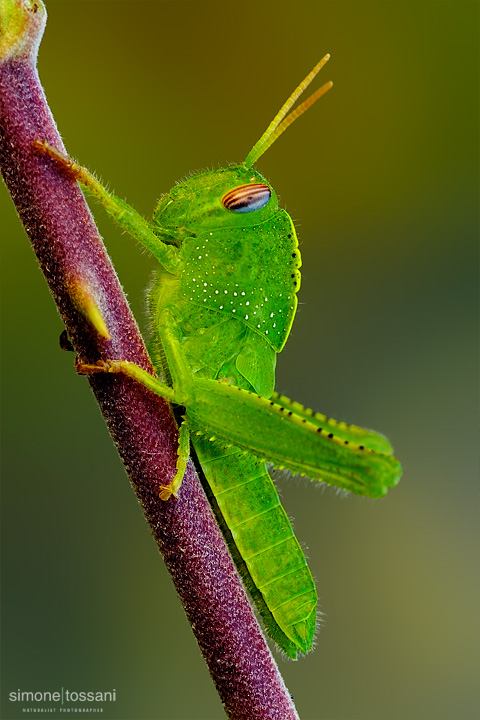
(284, 117)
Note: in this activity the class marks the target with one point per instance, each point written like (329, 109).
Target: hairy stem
(81, 277)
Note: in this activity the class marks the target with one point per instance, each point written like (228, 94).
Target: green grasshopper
(222, 307)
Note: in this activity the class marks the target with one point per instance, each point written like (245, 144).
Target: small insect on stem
(64, 342)
(222, 306)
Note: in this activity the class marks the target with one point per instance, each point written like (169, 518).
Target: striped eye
(247, 198)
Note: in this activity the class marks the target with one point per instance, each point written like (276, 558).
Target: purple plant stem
(70, 252)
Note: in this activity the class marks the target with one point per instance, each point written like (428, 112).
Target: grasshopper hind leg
(159, 388)
(183, 452)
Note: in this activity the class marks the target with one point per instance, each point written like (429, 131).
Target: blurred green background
(381, 178)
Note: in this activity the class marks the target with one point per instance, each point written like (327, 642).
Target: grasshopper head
(217, 198)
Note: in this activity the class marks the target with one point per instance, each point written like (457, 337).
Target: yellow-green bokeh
(382, 180)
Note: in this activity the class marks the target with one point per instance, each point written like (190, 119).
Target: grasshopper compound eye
(247, 198)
